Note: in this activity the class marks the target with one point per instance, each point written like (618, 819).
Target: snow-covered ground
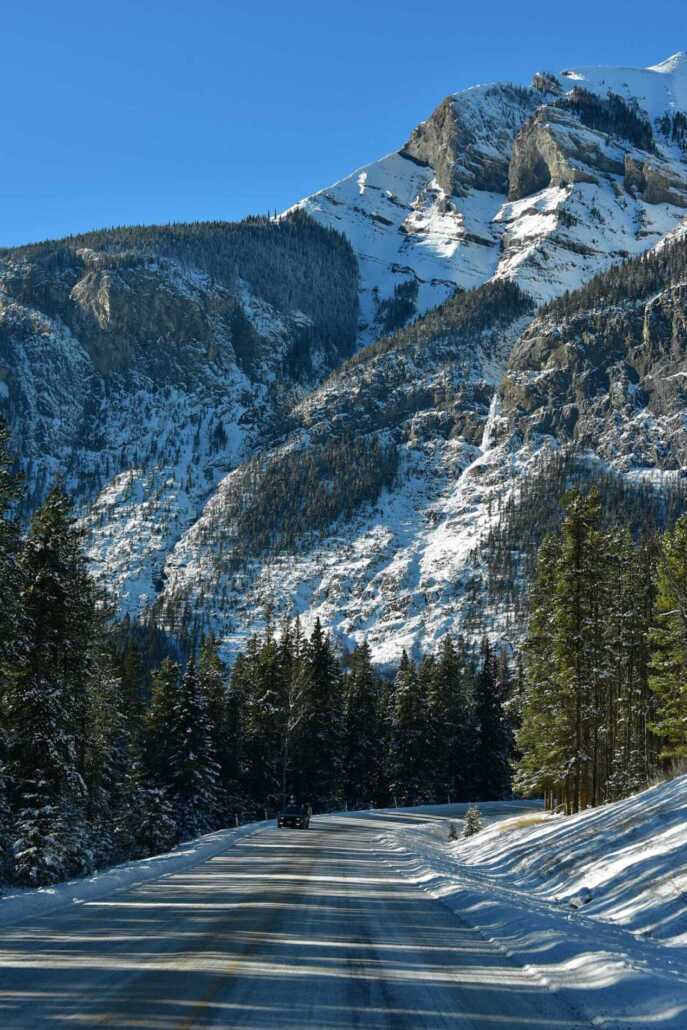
(594, 905)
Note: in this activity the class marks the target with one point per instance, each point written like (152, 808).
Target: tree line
(605, 660)
(103, 760)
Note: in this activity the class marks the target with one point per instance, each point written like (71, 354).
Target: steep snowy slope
(196, 385)
(602, 370)
(144, 364)
(507, 181)
(390, 568)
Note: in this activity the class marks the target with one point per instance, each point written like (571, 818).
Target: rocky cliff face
(546, 185)
(199, 388)
(610, 378)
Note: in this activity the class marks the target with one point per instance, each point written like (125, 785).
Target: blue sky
(153, 111)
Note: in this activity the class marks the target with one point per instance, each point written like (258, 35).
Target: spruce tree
(46, 698)
(364, 734)
(547, 717)
(669, 639)
(409, 757)
(263, 684)
(159, 745)
(212, 676)
(318, 737)
(492, 777)
(12, 628)
(450, 730)
(13, 636)
(193, 770)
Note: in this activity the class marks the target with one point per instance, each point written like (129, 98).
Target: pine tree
(11, 618)
(193, 771)
(262, 680)
(364, 734)
(492, 758)
(222, 718)
(317, 739)
(631, 747)
(6, 816)
(580, 654)
(449, 724)
(158, 742)
(409, 757)
(134, 690)
(144, 822)
(669, 639)
(13, 632)
(46, 697)
(544, 733)
(473, 821)
(586, 726)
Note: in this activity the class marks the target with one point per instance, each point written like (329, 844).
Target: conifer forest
(117, 744)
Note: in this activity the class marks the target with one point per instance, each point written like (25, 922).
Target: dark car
(295, 816)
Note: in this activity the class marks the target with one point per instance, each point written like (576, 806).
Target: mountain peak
(676, 62)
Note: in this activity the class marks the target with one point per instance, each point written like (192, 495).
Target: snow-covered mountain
(536, 184)
(144, 364)
(199, 390)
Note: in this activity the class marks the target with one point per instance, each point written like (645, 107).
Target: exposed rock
(469, 152)
(546, 82)
(613, 381)
(656, 183)
(552, 149)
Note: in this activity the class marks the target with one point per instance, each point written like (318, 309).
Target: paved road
(286, 929)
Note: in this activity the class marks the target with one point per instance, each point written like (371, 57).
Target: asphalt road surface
(289, 929)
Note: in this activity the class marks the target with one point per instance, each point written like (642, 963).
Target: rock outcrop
(183, 380)
(654, 182)
(468, 147)
(553, 149)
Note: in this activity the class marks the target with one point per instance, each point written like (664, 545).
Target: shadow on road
(287, 929)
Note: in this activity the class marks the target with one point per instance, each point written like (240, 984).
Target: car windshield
(294, 811)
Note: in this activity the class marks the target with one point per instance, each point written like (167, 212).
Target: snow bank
(593, 905)
(23, 904)
(626, 863)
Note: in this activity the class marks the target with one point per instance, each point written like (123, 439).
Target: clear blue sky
(151, 111)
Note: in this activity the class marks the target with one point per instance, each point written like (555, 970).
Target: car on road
(295, 816)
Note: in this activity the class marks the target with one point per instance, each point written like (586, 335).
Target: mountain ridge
(275, 415)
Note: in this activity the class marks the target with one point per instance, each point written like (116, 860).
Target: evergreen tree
(212, 676)
(586, 727)
(12, 630)
(12, 635)
(492, 780)
(409, 763)
(630, 754)
(318, 737)
(364, 733)
(669, 640)
(193, 771)
(144, 822)
(134, 690)
(46, 698)
(450, 724)
(159, 744)
(263, 683)
(473, 821)
(544, 734)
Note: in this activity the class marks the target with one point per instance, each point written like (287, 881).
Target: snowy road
(286, 929)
